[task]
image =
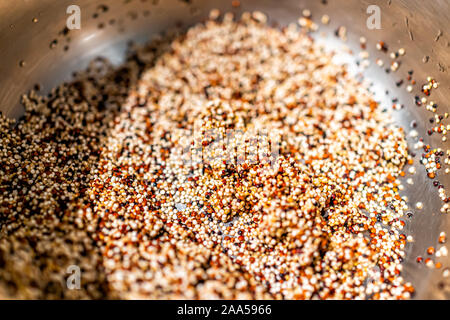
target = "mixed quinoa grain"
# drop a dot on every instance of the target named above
(235, 161)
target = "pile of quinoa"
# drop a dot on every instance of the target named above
(233, 161)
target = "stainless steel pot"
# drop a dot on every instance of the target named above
(35, 48)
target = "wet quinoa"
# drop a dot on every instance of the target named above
(233, 161)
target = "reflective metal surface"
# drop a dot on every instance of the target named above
(35, 49)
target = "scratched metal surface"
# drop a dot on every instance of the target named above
(412, 24)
